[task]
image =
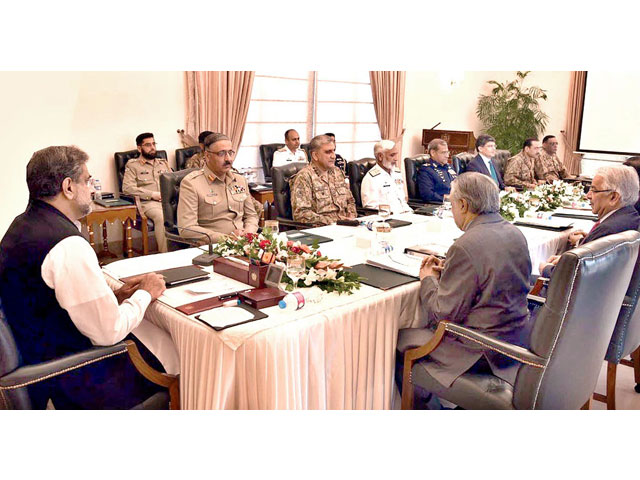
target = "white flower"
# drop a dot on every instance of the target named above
(331, 274)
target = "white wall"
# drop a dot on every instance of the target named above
(100, 112)
(429, 99)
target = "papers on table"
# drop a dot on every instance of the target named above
(224, 316)
(215, 286)
(437, 249)
(397, 262)
(575, 213)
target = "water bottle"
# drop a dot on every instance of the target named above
(98, 190)
(298, 299)
(384, 238)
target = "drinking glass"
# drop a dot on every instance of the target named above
(295, 268)
(273, 226)
(384, 211)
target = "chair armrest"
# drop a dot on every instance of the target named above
(537, 287)
(177, 238)
(535, 298)
(515, 352)
(30, 374)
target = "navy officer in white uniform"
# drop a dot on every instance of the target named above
(384, 183)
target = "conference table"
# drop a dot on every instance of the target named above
(337, 354)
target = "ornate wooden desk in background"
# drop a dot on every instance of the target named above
(101, 215)
(458, 141)
(264, 196)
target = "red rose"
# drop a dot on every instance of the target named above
(250, 236)
(289, 244)
(318, 253)
(305, 248)
(264, 244)
(295, 250)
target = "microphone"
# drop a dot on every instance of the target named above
(434, 127)
(204, 259)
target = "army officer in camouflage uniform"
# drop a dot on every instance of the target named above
(216, 200)
(319, 193)
(520, 171)
(142, 178)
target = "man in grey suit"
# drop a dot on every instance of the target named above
(482, 284)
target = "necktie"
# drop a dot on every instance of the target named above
(494, 175)
(594, 226)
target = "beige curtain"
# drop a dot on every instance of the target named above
(574, 112)
(218, 101)
(388, 102)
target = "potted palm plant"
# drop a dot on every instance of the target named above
(511, 113)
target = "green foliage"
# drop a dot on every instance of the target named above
(511, 113)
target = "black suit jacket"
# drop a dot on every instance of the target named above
(478, 165)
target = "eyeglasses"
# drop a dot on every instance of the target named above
(149, 144)
(593, 190)
(222, 153)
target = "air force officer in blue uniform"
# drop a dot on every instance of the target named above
(435, 176)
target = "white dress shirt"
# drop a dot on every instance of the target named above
(378, 187)
(71, 269)
(487, 163)
(283, 155)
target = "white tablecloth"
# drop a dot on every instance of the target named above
(338, 355)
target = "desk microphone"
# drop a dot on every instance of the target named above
(434, 127)
(205, 259)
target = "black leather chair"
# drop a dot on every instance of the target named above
(411, 166)
(282, 194)
(184, 154)
(357, 170)
(306, 147)
(143, 224)
(461, 160)
(266, 156)
(567, 343)
(15, 377)
(170, 191)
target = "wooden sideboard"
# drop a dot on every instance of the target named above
(458, 141)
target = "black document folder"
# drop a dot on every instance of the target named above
(181, 275)
(306, 238)
(381, 278)
(395, 223)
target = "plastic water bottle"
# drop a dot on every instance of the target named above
(298, 299)
(98, 190)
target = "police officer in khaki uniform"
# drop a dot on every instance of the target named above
(142, 178)
(216, 200)
(319, 193)
(520, 170)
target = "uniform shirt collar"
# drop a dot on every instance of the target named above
(211, 177)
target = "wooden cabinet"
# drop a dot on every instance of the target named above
(458, 141)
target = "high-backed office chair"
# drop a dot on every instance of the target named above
(567, 343)
(411, 166)
(170, 192)
(184, 154)
(266, 156)
(357, 170)
(306, 147)
(282, 194)
(461, 160)
(625, 341)
(500, 160)
(143, 224)
(15, 377)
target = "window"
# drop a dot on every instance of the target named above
(312, 103)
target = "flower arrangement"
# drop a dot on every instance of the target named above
(328, 274)
(544, 198)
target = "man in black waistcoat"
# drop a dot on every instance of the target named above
(55, 298)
